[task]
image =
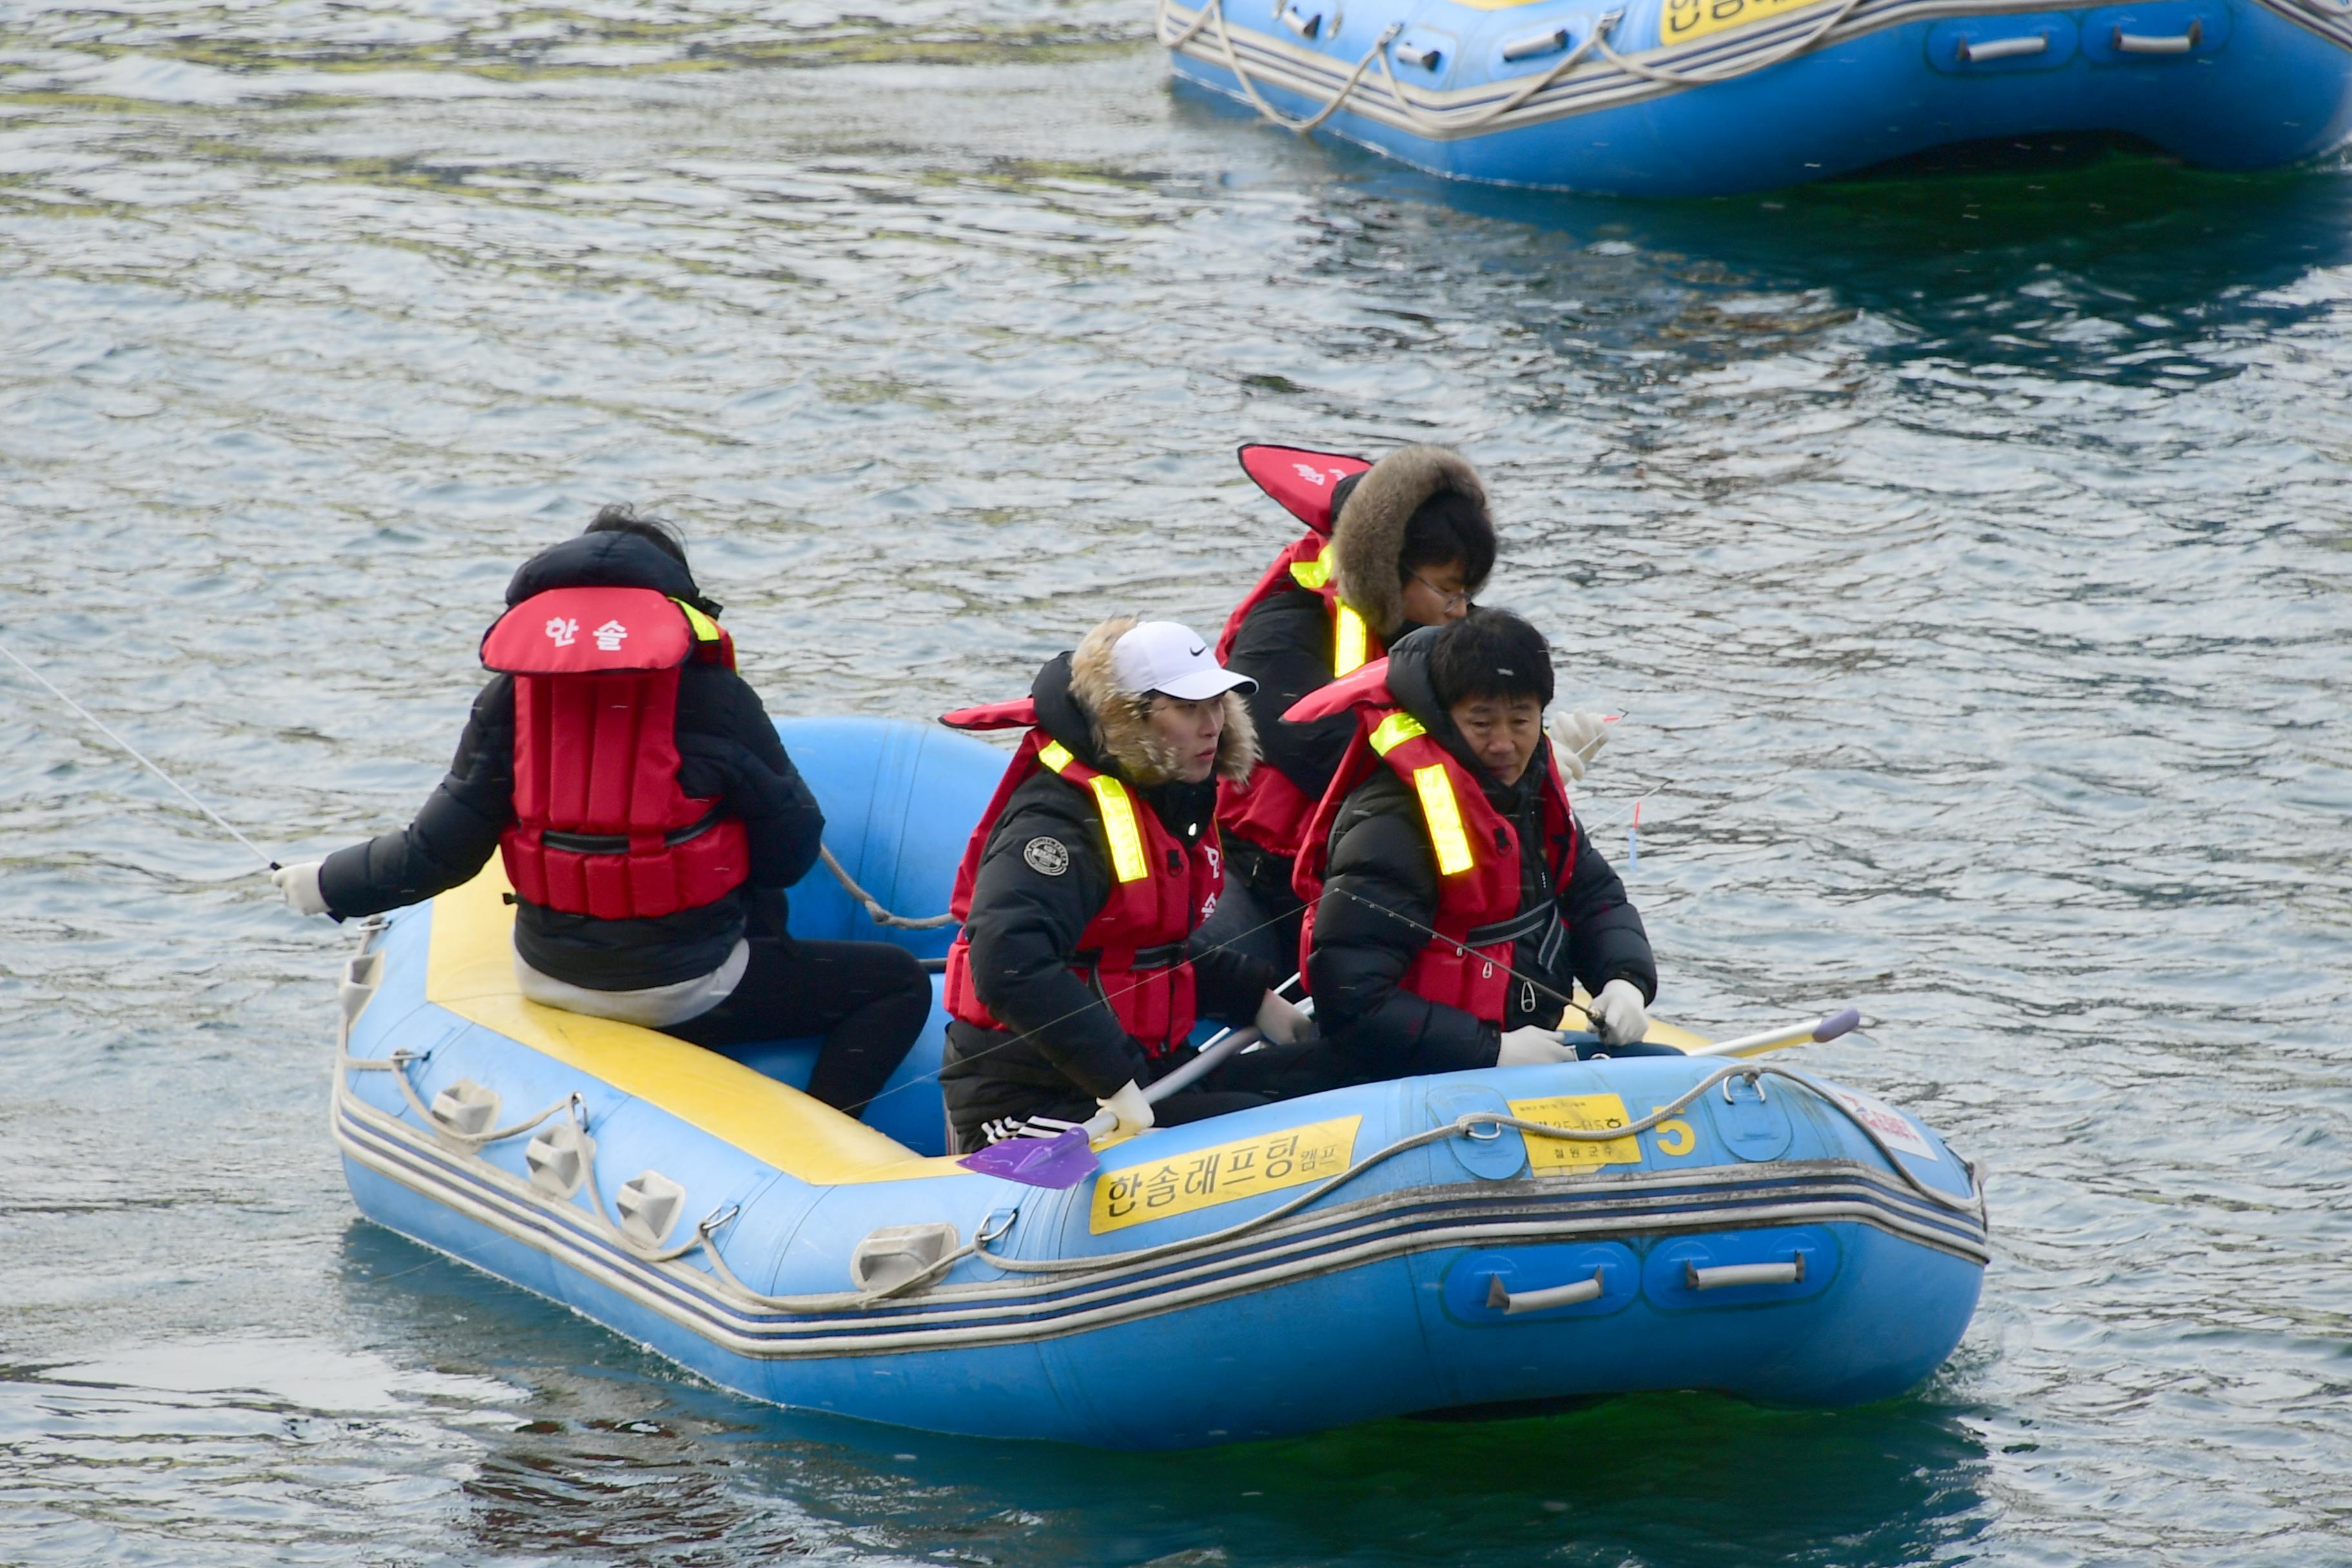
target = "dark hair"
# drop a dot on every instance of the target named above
(622, 517)
(1489, 652)
(1449, 527)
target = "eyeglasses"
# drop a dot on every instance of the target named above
(1454, 599)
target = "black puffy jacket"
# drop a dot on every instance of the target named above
(1025, 926)
(1381, 862)
(728, 750)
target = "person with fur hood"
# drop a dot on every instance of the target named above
(1075, 979)
(1404, 543)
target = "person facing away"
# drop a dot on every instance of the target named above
(1454, 897)
(1076, 980)
(650, 821)
(1400, 544)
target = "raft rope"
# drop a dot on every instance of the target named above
(1232, 63)
(1424, 120)
(1469, 1124)
(882, 916)
(1482, 1125)
(1794, 47)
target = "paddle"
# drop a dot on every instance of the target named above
(1787, 1035)
(1068, 1157)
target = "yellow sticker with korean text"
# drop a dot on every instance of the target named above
(1204, 1177)
(1572, 1113)
(1683, 20)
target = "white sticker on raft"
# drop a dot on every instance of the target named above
(1895, 1129)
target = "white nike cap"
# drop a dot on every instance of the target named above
(1162, 656)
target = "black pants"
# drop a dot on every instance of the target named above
(868, 999)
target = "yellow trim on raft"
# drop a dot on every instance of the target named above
(470, 971)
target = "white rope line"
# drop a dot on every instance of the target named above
(882, 916)
(137, 756)
(1773, 56)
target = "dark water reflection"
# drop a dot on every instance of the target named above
(600, 1458)
(1970, 553)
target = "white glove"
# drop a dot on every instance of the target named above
(1278, 1021)
(299, 885)
(1528, 1047)
(1617, 1014)
(1133, 1111)
(1576, 739)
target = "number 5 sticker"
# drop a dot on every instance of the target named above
(1675, 1135)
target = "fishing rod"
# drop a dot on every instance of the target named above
(140, 757)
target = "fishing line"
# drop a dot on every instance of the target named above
(1460, 947)
(140, 757)
(1101, 998)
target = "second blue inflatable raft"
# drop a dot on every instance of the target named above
(1685, 97)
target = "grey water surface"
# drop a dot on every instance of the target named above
(1970, 553)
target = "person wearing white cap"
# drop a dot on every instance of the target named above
(1075, 982)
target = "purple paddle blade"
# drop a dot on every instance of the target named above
(1836, 1023)
(1062, 1161)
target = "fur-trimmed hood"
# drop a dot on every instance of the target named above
(1368, 535)
(1120, 734)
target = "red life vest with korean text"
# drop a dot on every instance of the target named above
(1132, 952)
(601, 826)
(1268, 809)
(1467, 964)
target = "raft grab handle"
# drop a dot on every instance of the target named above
(1532, 46)
(2003, 48)
(1307, 24)
(1509, 1302)
(2144, 44)
(1789, 1273)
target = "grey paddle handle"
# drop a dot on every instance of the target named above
(1828, 1028)
(1213, 1055)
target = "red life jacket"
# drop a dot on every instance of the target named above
(1268, 809)
(1479, 920)
(602, 827)
(1133, 952)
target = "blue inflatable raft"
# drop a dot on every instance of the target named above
(1480, 1240)
(1686, 97)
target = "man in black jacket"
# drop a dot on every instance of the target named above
(1058, 1041)
(1381, 890)
(720, 974)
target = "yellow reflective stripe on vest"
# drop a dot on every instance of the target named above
(704, 628)
(1313, 574)
(1439, 808)
(1127, 861)
(1394, 730)
(1350, 643)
